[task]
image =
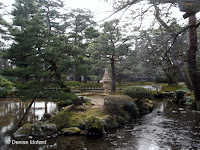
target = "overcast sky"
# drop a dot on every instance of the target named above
(98, 7)
(102, 10)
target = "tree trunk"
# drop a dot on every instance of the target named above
(26, 112)
(182, 67)
(119, 78)
(85, 79)
(171, 73)
(112, 62)
(183, 71)
(191, 56)
(77, 77)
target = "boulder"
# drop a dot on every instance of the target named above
(43, 129)
(109, 122)
(39, 129)
(94, 125)
(23, 131)
(159, 112)
(198, 105)
(71, 131)
(147, 108)
(183, 112)
(181, 109)
(159, 95)
(174, 112)
(120, 120)
(164, 94)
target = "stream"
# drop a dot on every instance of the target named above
(167, 131)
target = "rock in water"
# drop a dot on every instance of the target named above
(159, 112)
(23, 131)
(174, 112)
(183, 112)
(43, 129)
(71, 131)
(109, 122)
(39, 129)
(181, 109)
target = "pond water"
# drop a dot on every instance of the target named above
(167, 131)
(12, 109)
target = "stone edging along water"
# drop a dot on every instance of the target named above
(85, 119)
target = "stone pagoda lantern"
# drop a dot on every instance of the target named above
(190, 7)
(106, 81)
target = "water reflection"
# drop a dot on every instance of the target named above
(152, 132)
(11, 111)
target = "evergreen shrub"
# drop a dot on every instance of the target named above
(6, 87)
(72, 83)
(116, 104)
(138, 93)
(180, 94)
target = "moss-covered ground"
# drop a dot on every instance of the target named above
(73, 116)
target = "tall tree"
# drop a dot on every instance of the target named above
(191, 55)
(4, 36)
(37, 52)
(178, 51)
(154, 50)
(80, 35)
(28, 33)
(110, 46)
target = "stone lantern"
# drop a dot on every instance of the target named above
(189, 5)
(106, 81)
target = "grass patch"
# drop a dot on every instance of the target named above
(170, 88)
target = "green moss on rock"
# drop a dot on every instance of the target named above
(71, 131)
(73, 117)
(26, 128)
(109, 122)
(23, 131)
(94, 125)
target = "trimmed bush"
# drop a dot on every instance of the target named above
(138, 92)
(130, 107)
(72, 83)
(6, 87)
(115, 104)
(161, 79)
(180, 94)
(68, 99)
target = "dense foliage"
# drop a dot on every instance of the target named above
(5, 87)
(138, 93)
(116, 104)
(51, 45)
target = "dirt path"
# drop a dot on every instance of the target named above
(96, 98)
(98, 101)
